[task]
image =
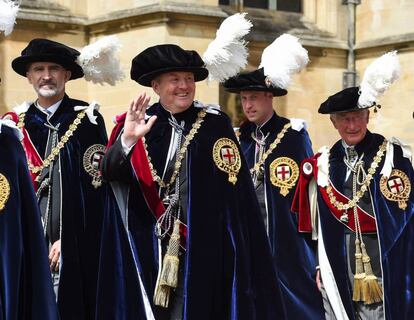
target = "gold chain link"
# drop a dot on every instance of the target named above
(55, 151)
(273, 145)
(180, 156)
(364, 187)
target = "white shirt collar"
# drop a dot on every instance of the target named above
(51, 110)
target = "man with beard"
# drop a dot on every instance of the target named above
(64, 139)
(201, 252)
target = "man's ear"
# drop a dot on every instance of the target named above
(68, 75)
(333, 120)
(368, 116)
(155, 86)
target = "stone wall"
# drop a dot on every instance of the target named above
(192, 25)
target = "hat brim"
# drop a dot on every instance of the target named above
(20, 64)
(322, 111)
(277, 92)
(200, 73)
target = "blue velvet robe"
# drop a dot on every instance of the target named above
(82, 206)
(25, 284)
(395, 228)
(293, 252)
(228, 271)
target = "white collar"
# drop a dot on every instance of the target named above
(51, 110)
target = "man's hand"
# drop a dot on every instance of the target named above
(318, 280)
(135, 127)
(54, 256)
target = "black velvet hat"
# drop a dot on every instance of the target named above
(156, 60)
(252, 81)
(44, 50)
(343, 101)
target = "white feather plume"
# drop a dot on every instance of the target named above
(100, 61)
(8, 13)
(378, 76)
(282, 58)
(227, 54)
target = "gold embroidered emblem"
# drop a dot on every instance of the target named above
(226, 156)
(396, 187)
(4, 191)
(284, 172)
(91, 162)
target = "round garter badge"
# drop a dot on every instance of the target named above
(396, 187)
(284, 172)
(4, 191)
(226, 156)
(91, 162)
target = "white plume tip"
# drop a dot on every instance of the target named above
(100, 61)
(8, 14)
(283, 58)
(227, 54)
(378, 76)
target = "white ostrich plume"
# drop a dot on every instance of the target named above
(282, 58)
(227, 54)
(8, 13)
(100, 61)
(378, 76)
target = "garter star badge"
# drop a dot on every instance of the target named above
(91, 161)
(284, 172)
(226, 156)
(396, 187)
(4, 191)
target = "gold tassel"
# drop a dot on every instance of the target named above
(169, 272)
(371, 287)
(162, 296)
(358, 294)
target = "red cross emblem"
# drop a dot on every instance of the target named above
(96, 159)
(283, 172)
(395, 185)
(228, 155)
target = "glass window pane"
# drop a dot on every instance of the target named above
(264, 4)
(289, 5)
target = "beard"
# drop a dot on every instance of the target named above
(54, 90)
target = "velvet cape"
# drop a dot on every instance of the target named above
(395, 228)
(25, 284)
(228, 272)
(293, 253)
(82, 206)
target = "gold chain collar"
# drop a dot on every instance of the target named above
(196, 125)
(273, 145)
(55, 151)
(365, 185)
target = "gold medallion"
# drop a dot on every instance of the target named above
(284, 172)
(91, 162)
(396, 187)
(4, 191)
(226, 156)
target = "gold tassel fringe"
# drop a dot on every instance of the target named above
(162, 296)
(169, 272)
(371, 288)
(358, 294)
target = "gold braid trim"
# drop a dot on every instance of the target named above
(273, 145)
(55, 151)
(360, 193)
(194, 129)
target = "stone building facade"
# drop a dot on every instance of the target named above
(322, 26)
